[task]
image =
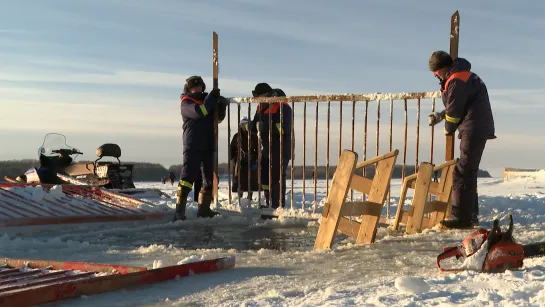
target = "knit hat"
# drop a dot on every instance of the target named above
(192, 82)
(261, 88)
(244, 123)
(439, 59)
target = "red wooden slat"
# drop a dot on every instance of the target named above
(34, 275)
(71, 219)
(8, 271)
(16, 209)
(29, 202)
(54, 280)
(95, 197)
(102, 209)
(73, 209)
(94, 285)
(96, 206)
(69, 265)
(3, 212)
(18, 274)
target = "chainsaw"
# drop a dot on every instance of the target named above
(500, 253)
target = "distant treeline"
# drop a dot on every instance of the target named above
(144, 171)
(321, 171)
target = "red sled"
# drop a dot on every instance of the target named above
(25, 282)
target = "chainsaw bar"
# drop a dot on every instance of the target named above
(534, 250)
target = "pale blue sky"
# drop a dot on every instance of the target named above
(111, 71)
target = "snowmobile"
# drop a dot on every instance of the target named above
(491, 251)
(57, 167)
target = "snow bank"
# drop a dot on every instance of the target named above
(191, 259)
(38, 193)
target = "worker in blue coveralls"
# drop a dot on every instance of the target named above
(279, 130)
(197, 108)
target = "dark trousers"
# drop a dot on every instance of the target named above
(197, 185)
(198, 166)
(464, 183)
(278, 173)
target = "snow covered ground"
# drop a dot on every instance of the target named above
(275, 264)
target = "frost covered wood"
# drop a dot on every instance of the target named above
(343, 97)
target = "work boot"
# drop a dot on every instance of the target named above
(181, 201)
(205, 199)
(456, 223)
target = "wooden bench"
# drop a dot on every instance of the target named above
(337, 209)
(437, 208)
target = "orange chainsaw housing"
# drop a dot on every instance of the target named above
(503, 254)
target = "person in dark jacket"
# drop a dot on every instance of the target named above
(279, 130)
(171, 177)
(247, 156)
(197, 108)
(468, 110)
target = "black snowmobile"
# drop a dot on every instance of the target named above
(57, 167)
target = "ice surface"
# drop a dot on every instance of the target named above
(275, 264)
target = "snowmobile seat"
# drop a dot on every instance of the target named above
(109, 150)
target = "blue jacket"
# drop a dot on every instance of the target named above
(467, 106)
(278, 131)
(198, 117)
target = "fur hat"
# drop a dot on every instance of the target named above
(192, 82)
(439, 59)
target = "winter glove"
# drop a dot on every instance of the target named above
(215, 93)
(435, 118)
(224, 101)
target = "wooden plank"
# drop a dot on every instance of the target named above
(360, 208)
(77, 288)
(57, 220)
(437, 210)
(418, 205)
(377, 159)
(215, 74)
(454, 43)
(361, 184)
(348, 227)
(335, 198)
(400, 211)
(445, 194)
(378, 194)
(433, 186)
(67, 265)
(11, 180)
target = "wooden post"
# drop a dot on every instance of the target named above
(454, 40)
(215, 72)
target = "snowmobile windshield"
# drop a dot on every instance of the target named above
(53, 144)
